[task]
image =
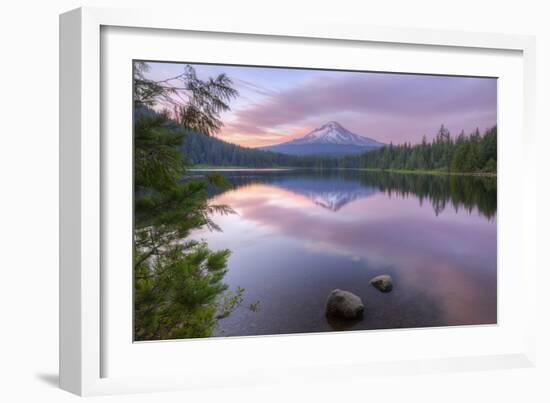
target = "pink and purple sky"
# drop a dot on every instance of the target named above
(279, 104)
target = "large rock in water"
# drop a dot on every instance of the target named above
(383, 282)
(344, 304)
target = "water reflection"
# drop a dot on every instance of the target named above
(329, 193)
(300, 234)
(334, 189)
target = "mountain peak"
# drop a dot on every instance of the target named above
(329, 139)
(333, 124)
(333, 132)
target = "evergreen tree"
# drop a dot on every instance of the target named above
(178, 285)
(467, 154)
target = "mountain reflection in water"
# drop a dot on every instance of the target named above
(299, 234)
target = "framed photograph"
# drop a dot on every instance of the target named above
(244, 203)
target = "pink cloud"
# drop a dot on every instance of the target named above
(388, 107)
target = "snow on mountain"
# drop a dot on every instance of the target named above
(330, 139)
(335, 133)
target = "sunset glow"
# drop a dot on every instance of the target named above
(278, 104)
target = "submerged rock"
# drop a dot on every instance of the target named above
(344, 304)
(383, 282)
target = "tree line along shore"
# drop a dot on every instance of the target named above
(473, 154)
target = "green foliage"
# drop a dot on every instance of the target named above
(178, 285)
(490, 166)
(465, 154)
(157, 162)
(177, 294)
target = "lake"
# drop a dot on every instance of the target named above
(296, 235)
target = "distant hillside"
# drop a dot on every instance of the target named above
(200, 149)
(323, 150)
(208, 150)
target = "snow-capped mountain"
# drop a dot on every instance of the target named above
(330, 139)
(334, 133)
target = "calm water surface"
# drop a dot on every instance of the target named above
(297, 235)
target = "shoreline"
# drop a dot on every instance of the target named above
(397, 171)
(429, 172)
(203, 169)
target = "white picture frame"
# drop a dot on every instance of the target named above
(85, 345)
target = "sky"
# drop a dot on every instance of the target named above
(279, 104)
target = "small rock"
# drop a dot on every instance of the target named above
(383, 282)
(344, 304)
